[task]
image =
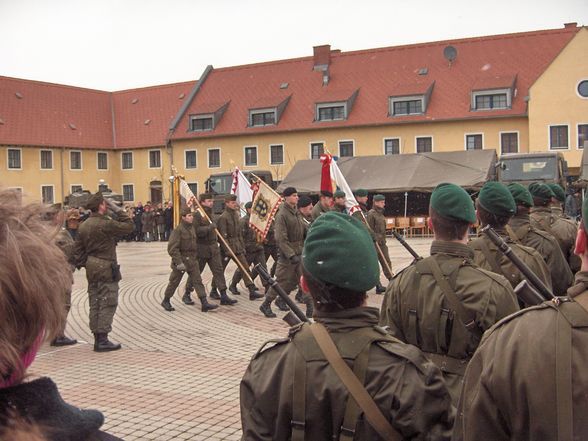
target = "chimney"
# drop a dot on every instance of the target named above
(321, 57)
(570, 25)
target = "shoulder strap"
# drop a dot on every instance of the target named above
(372, 413)
(352, 410)
(467, 318)
(563, 382)
(491, 258)
(298, 422)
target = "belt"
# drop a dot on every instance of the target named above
(448, 364)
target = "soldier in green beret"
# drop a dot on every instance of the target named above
(445, 302)
(377, 225)
(324, 204)
(290, 392)
(339, 199)
(361, 196)
(95, 248)
(521, 231)
(495, 206)
(528, 378)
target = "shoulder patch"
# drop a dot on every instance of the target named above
(270, 344)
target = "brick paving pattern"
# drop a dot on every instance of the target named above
(177, 376)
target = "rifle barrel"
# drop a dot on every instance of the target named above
(405, 244)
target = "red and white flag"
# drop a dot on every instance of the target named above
(332, 180)
(242, 188)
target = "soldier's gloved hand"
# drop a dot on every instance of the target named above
(181, 267)
(113, 206)
(294, 259)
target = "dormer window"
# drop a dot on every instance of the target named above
(262, 117)
(207, 116)
(335, 105)
(412, 105)
(491, 99)
(331, 111)
(201, 123)
(410, 99)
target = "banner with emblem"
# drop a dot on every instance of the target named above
(332, 179)
(264, 206)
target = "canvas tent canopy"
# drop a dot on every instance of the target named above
(420, 172)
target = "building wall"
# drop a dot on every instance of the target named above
(555, 101)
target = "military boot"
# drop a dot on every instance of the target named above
(309, 308)
(214, 294)
(254, 294)
(299, 296)
(225, 299)
(167, 305)
(380, 289)
(63, 341)
(207, 306)
(234, 290)
(281, 304)
(266, 309)
(187, 299)
(102, 344)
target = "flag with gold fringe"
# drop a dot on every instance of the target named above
(264, 206)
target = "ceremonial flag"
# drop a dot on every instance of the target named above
(332, 179)
(263, 209)
(242, 188)
(187, 194)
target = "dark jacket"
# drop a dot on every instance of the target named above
(182, 244)
(228, 226)
(252, 246)
(290, 230)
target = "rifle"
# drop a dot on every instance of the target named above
(295, 315)
(531, 291)
(408, 248)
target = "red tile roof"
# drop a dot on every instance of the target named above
(378, 74)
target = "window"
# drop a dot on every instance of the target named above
(127, 160)
(14, 159)
(250, 156)
(262, 118)
(474, 142)
(392, 146)
(75, 160)
(102, 161)
(46, 159)
(128, 192)
(424, 144)
(191, 159)
(509, 142)
(409, 107)
(330, 112)
(76, 188)
(583, 88)
(201, 123)
(345, 148)
(47, 194)
(582, 135)
(316, 150)
(193, 187)
(214, 158)
(558, 137)
(276, 154)
(491, 99)
(154, 158)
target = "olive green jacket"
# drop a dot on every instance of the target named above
(204, 231)
(408, 389)
(290, 231)
(252, 246)
(510, 387)
(228, 226)
(97, 235)
(564, 230)
(318, 210)
(377, 223)
(182, 244)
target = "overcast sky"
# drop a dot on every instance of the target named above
(122, 44)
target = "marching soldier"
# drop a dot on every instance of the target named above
(304, 205)
(445, 302)
(495, 206)
(527, 380)
(324, 204)
(377, 224)
(182, 247)
(522, 232)
(270, 248)
(361, 196)
(339, 199)
(95, 248)
(290, 392)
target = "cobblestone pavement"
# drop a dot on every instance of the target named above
(177, 376)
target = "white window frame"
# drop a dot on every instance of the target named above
(149, 159)
(424, 136)
(8, 159)
(578, 147)
(352, 141)
(465, 139)
(186, 159)
(333, 104)
(392, 137)
(203, 116)
(477, 93)
(122, 160)
(269, 152)
(266, 110)
(41, 160)
(81, 160)
(397, 99)
(245, 147)
(52, 189)
(576, 89)
(122, 188)
(499, 151)
(310, 147)
(220, 157)
(558, 149)
(98, 162)
(74, 185)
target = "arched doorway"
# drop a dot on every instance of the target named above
(156, 192)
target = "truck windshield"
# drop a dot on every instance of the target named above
(221, 184)
(529, 169)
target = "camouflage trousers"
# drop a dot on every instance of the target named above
(102, 293)
(287, 275)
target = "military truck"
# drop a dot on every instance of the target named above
(219, 184)
(78, 199)
(526, 168)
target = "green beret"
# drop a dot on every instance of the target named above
(452, 201)
(94, 201)
(327, 258)
(540, 191)
(339, 194)
(584, 213)
(230, 197)
(204, 196)
(496, 199)
(520, 194)
(557, 191)
(185, 211)
(249, 204)
(361, 193)
(379, 197)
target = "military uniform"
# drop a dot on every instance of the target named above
(270, 248)
(318, 210)
(377, 224)
(527, 380)
(253, 249)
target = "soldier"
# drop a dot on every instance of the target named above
(304, 205)
(270, 248)
(290, 392)
(495, 206)
(445, 302)
(324, 205)
(95, 248)
(208, 252)
(377, 224)
(228, 226)
(290, 233)
(562, 228)
(339, 202)
(527, 380)
(182, 247)
(521, 231)
(361, 196)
